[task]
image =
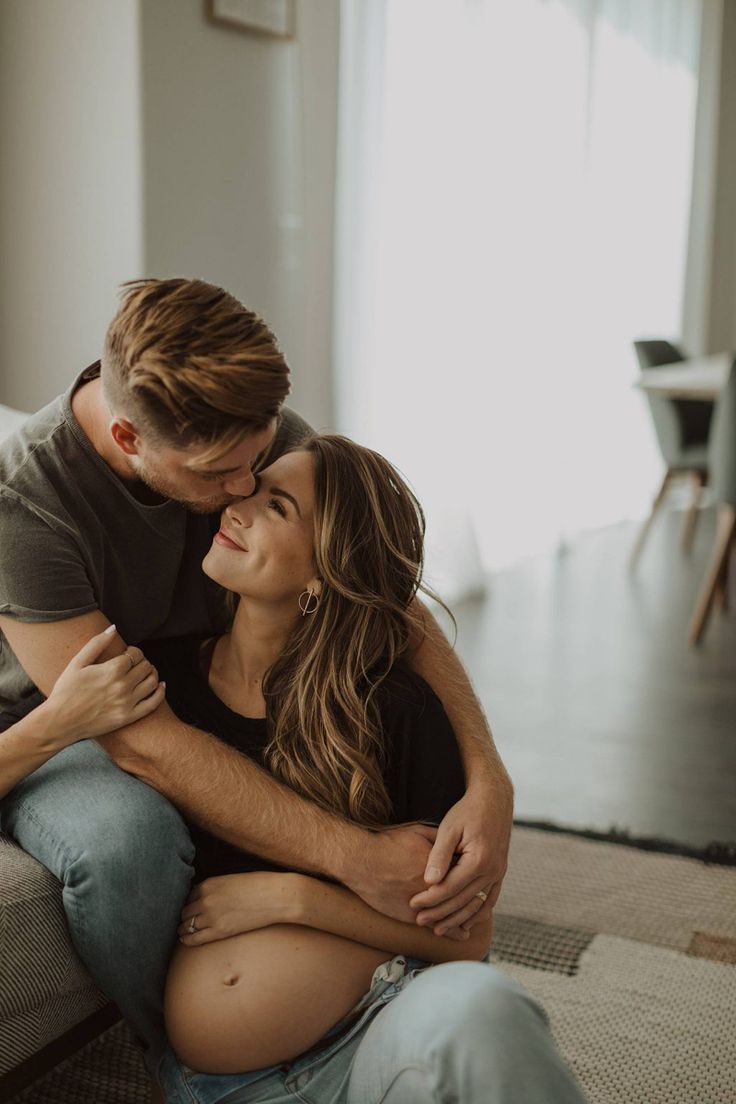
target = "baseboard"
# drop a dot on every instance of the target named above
(716, 853)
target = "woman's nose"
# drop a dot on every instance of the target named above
(242, 486)
(238, 512)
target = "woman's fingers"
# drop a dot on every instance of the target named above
(136, 659)
(191, 908)
(94, 648)
(149, 704)
(195, 935)
(195, 893)
(146, 686)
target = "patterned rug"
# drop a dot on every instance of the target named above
(632, 953)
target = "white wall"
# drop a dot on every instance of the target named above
(70, 185)
(239, 154)
(139, 139)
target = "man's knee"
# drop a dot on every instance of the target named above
(80, 813)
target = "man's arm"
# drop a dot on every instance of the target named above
(226, 792)
(478, 828)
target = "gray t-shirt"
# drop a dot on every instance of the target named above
(74, 539)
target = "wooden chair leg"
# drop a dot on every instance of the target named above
(643, 532)
(696, 480)
(725, 530)
(721, 595)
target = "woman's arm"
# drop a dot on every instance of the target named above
(88, 699)
(334, 909)
(235, 903)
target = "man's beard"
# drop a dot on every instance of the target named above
(161, 486)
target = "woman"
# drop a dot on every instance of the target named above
(324, 559)
(279, 977)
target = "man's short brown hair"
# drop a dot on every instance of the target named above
(187, 363)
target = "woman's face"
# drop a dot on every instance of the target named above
(265, 547)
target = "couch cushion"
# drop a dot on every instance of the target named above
(45, 989)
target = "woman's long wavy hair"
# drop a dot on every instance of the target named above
(325, 737)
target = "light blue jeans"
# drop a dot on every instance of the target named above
(459, 1032)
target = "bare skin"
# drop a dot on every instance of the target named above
(266, 942)
(225, 1001)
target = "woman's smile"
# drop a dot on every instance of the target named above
(223, 538)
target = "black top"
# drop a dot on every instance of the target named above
(424, 775)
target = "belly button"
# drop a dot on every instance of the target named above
(231, 979)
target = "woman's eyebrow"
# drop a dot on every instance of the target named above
(285, 494)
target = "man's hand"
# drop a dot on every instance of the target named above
(390, 869)
(476, 831)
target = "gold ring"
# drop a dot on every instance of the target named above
(483, 896)
(132, 661)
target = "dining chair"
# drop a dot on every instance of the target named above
(722, 468)
(682, 427)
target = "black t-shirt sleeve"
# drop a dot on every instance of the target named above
(425, 775)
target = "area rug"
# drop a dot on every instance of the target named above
(632, 953)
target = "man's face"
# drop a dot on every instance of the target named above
(205, 487)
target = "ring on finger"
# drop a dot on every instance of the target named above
(483, 896)
(192, 926)
(132, 661)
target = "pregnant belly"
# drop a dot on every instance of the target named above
(263, 997)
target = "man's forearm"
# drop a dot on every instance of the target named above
(229, 795)
(438, 664)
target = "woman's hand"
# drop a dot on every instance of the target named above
(234, 903)
(91, 698)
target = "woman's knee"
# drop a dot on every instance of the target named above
(473, 1000)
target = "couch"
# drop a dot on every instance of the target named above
(48, 1003)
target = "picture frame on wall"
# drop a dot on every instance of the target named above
(269, 18)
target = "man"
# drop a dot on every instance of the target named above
(109, 498)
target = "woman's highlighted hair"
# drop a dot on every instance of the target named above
(325, 738)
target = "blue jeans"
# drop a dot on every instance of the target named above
(124, 857)
(461, 1031)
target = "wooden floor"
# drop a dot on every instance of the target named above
(603, 714)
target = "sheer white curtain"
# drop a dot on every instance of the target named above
(513, 199)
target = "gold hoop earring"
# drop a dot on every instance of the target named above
(306, 598)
